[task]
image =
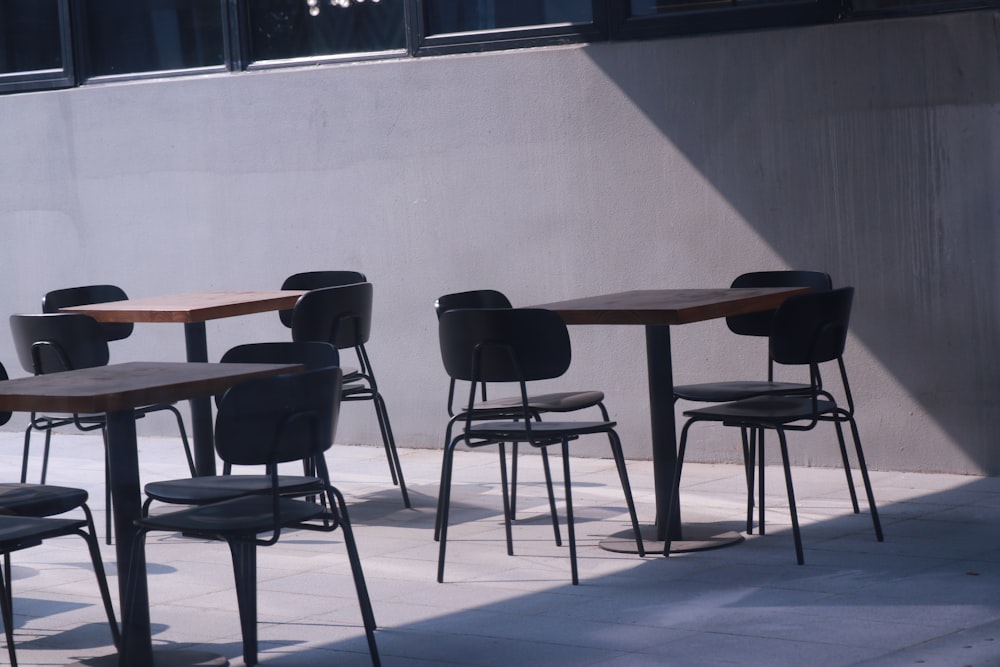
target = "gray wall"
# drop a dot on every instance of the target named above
(867, 150)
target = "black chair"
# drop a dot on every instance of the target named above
(24, 522)
(807, 330)
(56, 300)
(266, 422)
(514, 345)
(309, 280)
(343, 316)
(560, 402)
(755, 325)
(50, 343)
(216, 488)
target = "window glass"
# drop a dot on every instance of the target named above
(29, 36)
(283, 29)
(130, 36)
(450, 16)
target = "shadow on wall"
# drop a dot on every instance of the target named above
(864, 150)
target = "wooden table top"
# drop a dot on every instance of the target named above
(669, 306)
(193, 307)
(126, 386)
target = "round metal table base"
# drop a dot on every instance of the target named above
(697, 537)
(166, 658)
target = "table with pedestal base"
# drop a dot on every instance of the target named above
(116, 391)
(657, 310)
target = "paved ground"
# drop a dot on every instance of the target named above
(929, 595)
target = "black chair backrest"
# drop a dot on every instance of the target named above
(481, 298)
(308, 280)
(503, 344)
(85, 295)
(338, 315)
(4, 416)
(812, 328)
(311, 354)
(53, 342)
(759, 324)
(279, 418)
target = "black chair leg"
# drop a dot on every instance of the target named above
(867, 480)
(551, 494)
(24, 455)
(506, 499)
(444, 499)
(367, 614)
(847, 467)
(395, 468)
(749, 454)
(791, 497)
(761, 525)
(90, 537)
(184, 439)
(513, 481)
(245, 572)
(570, 530)
(619, 457)
(7, 610)
(675, 487)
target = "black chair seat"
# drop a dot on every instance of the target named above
(540, 433)
(244, 516)
(39, 499)
(25, 531)
(766, 410)
(566, 401)
(736, 390)
(203, 490)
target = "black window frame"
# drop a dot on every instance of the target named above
(506, 38)
(242, 58)
(717, 19)
(48, 79)
(85, 67)
(611, 21)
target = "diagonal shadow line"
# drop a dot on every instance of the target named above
(850, 149)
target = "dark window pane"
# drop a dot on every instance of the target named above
(448, 16)
(129, 36)
(29, 36)
(282, 29)
(656, 7)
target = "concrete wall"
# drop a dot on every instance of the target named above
(868, 150)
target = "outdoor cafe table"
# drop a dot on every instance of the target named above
(658, 310)
(117, 390)
(193, 310)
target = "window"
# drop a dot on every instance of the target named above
(656, 18)
(56, 43)
(464, 25)
(286, 29)
(34, 45)
(122, 37)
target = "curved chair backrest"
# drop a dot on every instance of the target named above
(4, 416)
(85, 295)
(759, 324)
(308, 280)
(480, 298)
(279, 418)
(503, 344)
(338, 315)
(311, 354)
(812, 328)
(53, 342)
